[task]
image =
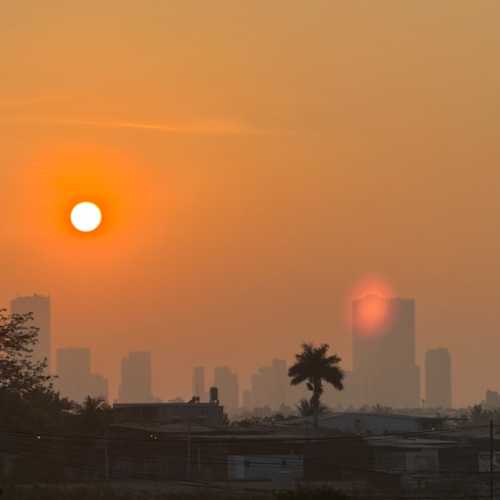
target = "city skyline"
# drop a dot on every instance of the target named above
(253, 165)
(383, 331)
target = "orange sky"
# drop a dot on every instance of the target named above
(254, 161)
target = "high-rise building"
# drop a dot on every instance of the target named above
(279, 383)
(270, 385)
(247, 402)
(75, 379)
(438, 378)
(135, 386)
(98, 386)
(199, 383)
(346, 398)
(227, 383)
(384, 352)
(39, 306)
(260, 387)
(73, 372)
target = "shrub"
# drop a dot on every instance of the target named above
(310, 494)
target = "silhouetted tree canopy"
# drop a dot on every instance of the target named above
(27, 398)
(19, 372)
(314, 367)
(94, 414)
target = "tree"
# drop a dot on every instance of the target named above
(19, 372)
(95, 414)
(306, 410)
(27, 398)
(315, 367)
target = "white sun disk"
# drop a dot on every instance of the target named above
(86, 216)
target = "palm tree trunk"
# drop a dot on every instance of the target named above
(315, 406)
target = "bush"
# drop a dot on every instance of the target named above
(310, 494)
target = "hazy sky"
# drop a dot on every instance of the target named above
(254, 161)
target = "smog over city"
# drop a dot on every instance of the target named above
(249, 249)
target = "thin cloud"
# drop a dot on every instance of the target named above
(202, 127)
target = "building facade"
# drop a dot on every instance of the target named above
(438, 385)
(384, 365)
(39, 307)
(75, 379)
(211, 414)
(199, 390)
(269, 386)
(135, 385)
(227, 383)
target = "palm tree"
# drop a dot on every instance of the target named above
(315, 367)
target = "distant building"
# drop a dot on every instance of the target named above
(247, 402)
(227, 383)
(279, 383)
(211, 414)
(73, 371)
(98, 386)
(345, 398)
(378, 423)
(259, 389)
(75, 379)
(438, 390)
(269, 386)
(298, 392)
(135, 386)
(384, 352)
(39, 306)
(199, 383)
(492, 400)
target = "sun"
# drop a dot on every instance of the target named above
(86, 216)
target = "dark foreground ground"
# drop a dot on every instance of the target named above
(175, 492)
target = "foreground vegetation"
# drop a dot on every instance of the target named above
(72, 493)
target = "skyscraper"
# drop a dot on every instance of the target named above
(73, 371)
(384, 352)
(345, 398)
(438, 378)
(260, 389)
(135, 386)
(279, 383)
(199, 383)
(39, 306)
(247, 402)
(270, 385)
(75, 380)
(227, 383)
(98, 387)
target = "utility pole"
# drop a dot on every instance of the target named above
(106, 457)
(492, 461)
(188, 463)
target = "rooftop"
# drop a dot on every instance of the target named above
(173, 404)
